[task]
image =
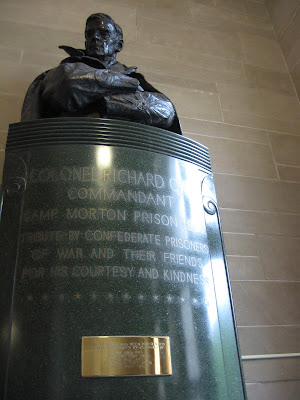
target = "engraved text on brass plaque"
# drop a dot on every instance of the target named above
(125, 356)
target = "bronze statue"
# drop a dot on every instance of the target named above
(91, 83)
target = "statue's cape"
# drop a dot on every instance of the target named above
(78, 55)
(32, 106)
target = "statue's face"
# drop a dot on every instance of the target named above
(101, 39)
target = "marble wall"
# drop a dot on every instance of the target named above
(221, 63)
(285, 15)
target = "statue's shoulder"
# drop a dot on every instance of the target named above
(31, 106)
(38, 79)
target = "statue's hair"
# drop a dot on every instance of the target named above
(101, 16)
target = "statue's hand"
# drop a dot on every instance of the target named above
(131, 70)
(116, 81)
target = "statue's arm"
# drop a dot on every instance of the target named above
(148, 107)
(151, 108)
(75, 86)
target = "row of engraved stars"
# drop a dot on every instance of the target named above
(125, 297)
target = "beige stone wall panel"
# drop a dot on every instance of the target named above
(259, 102)
(26, 36)
(288, 390)
(265, 223)
(15, 78)
(193, 127)
(277, 124)
(244, 268)
(269, 339)
(3, 136)
(272, 370)
(265, 53)
(281, 12)
(239, 158)
(10, 109)
(237, 192)
(280, 257)
(207, 42)
(43, 60)
(266, 302)
(11, 54)
(295, 74)
(207, 17)
(290, 41)
(193, 103)
(289, 174)
(241, 244)
(268, 79)
(286, 149)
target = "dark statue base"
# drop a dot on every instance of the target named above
(111, 228)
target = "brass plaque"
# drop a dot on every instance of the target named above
(125, 356)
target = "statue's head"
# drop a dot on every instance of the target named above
(103, 37)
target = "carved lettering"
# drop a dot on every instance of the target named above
(139, 255)
(102, 253)
(123, 237)
(172, 243)
(186, 244)
(43, 236)
(157, 219)
(96, 214)
(127, 196)
(59, 271)
(34, 216)
(97, 271)
(180, 276)
(93, 174)
(182, 259)
(69, 253)
(148, 273)
(33, 273)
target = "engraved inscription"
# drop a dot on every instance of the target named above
(116, 225)
(125, 356)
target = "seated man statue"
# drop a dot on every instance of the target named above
(91, 83)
